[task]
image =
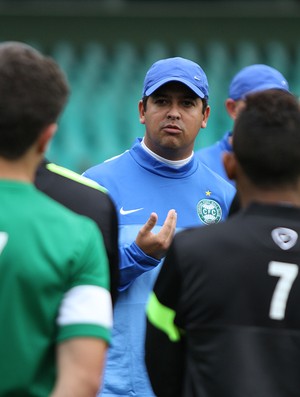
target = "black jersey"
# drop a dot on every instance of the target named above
(235, 205)
(76, 193)
(224, 318)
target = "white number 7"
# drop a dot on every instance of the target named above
(287, 273)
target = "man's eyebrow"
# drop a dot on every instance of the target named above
(190, 96)
(187, 95)
(159, 93)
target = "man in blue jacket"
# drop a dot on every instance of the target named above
(158, 188)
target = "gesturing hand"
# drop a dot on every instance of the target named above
(156, 245)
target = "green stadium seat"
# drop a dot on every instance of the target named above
(246, 53)
(189, 50)
(294, 79)
(277, 55)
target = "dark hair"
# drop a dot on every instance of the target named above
(33, 93)
(266, 138)
(204, 102)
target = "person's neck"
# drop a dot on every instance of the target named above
(290, 196)
(174, 163)
(19, 170)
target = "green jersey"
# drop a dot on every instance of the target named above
(53, 286)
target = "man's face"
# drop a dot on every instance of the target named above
(173, 118)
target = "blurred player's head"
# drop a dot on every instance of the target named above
(254, 78)
(251, 79)
(266, 141)
(33, 93)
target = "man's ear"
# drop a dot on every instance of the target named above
(45, 137)
(230, 164)
(231, 107)
(142, 112)
(205, 117)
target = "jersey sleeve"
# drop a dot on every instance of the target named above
(133, 263)
(86, 308)
(164, 345)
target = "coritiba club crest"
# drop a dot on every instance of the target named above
(209, 211)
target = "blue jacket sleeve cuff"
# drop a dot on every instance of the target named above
(134, 262)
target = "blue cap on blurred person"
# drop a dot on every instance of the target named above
(256, 78)
(176, 69)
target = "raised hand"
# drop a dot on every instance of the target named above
(156, 245)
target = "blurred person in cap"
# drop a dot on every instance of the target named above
(158, 187)
(250, 79)
(223, 318)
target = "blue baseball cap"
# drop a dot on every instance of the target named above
(176, 69)
(256, 78)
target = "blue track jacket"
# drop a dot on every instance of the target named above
(139, 185)
(212, 155)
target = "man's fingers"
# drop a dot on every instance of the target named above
(149, 225)
(168, 229)
(155, 245)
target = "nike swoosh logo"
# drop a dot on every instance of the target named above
(124, 212)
